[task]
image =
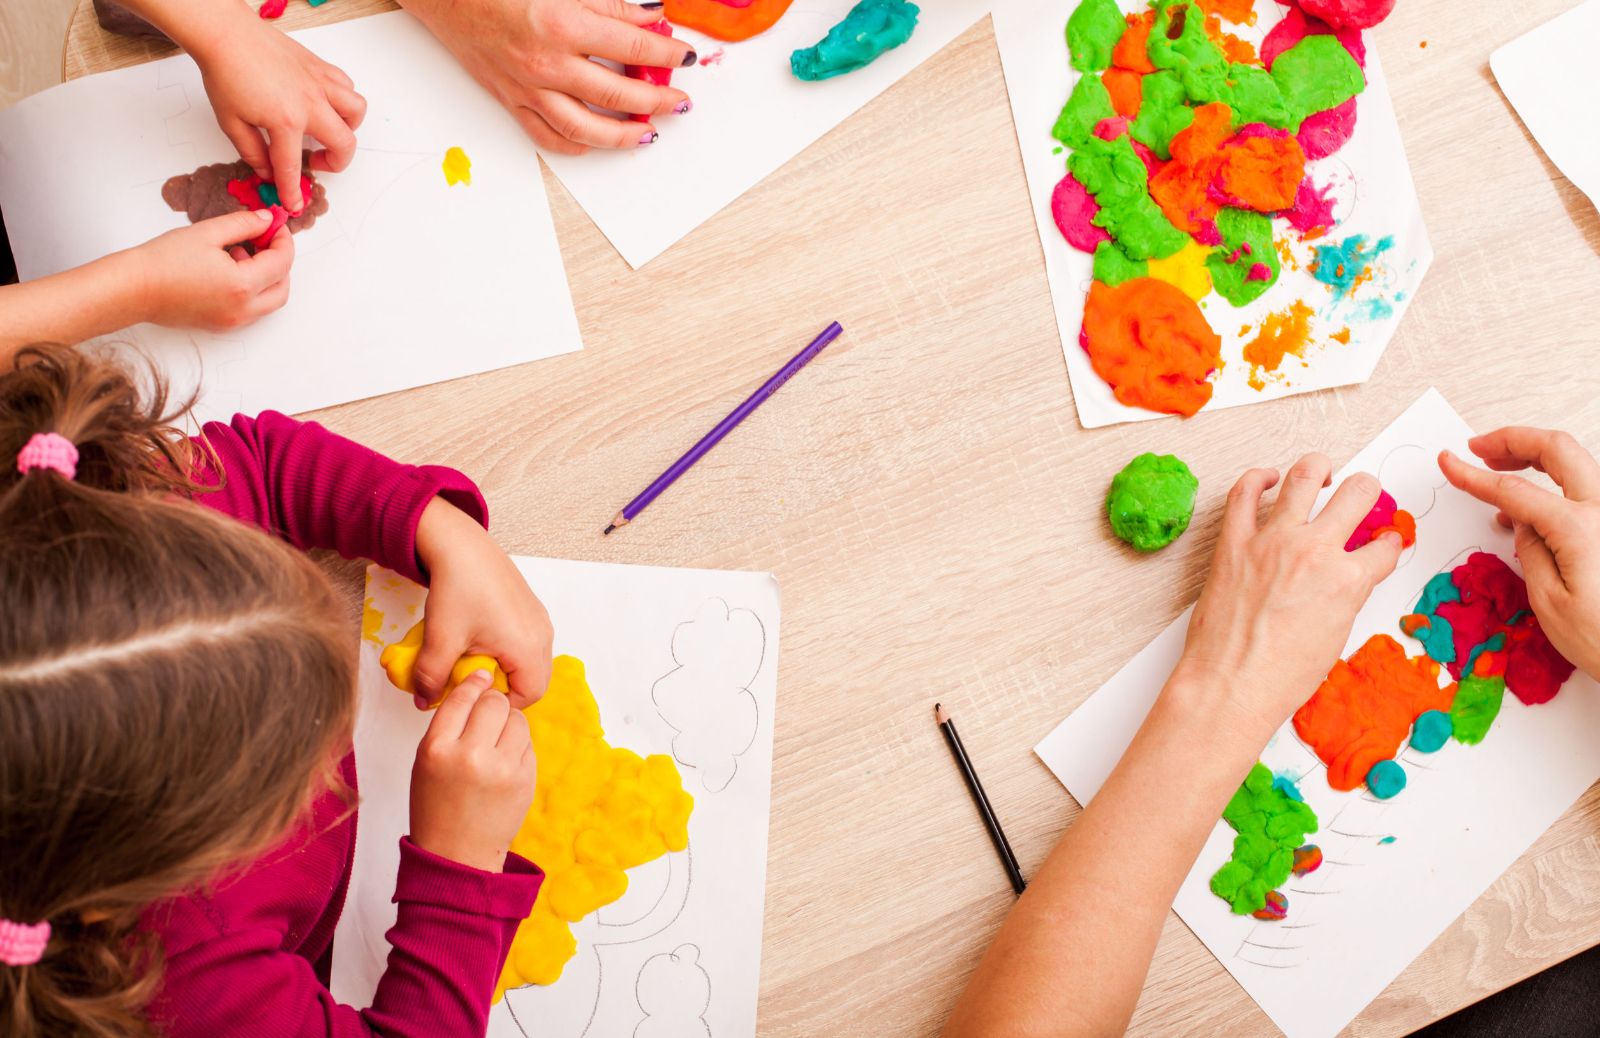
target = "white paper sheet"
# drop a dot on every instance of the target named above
(1465, 815)
(405, 281)
(1548, 75)
(750, 117)
(1376, 199)
(683, 662)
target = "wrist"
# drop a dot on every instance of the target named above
(203, 30)
(1204, 700)
(441, 526)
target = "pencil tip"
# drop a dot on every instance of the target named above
(940, 714)
(609, 528)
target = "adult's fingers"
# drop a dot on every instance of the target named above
(487, 720)
(338, 141)
(1549, 450)
(598, 85)
(1301, 485)
(1379, 556)
(252, 148)
(1519, 499)
(575, 122)
(1244, 504)
(635, 14)
(1349, 505)
(285, 148)
(442, 646)
(1538, 561)
(451, 717)
(543, 134)
(629, 44)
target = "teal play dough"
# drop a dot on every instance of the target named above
(1151, 501)
(871, 28)
(1087, 106)
(1430, 731)
(1093, 32)
(1386, 779)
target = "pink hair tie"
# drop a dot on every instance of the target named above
(49, 451)
(22, 944)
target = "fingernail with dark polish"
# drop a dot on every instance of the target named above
(684, 107)
(689, 59)
(654, 5)
(649, 138)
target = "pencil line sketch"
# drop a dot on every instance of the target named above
(674, 992)
(706, 697)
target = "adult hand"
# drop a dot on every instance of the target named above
(473, 778)
(478, 604)
(533, 56)
(1557, 535)
(199, 276)
(1282, 594)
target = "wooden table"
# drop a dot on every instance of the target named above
(933, 510)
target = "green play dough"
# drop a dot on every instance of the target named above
(1270, 825)
(1151, 501)
(1476, 705)
(1255, 98)
(1315, 75)
(1178, 38)
(1240, 228)
(1163, 113)
(871, 28)
(1093, 32)
(1086, 106)
(1115, 175)
(1113, 266)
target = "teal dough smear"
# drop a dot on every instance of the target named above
(871, 28)
(1151, 501)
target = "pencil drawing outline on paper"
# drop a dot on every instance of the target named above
(673, 994)
(711, 730)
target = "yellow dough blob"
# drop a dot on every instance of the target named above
(398, 660)
(1185, 270)
(457, 167)
(598, 810)
(371, 621)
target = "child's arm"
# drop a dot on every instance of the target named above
(261, 82)
(1274, 616)
(186, 278)
(1558, 536)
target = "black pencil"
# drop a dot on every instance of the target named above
(990, 822)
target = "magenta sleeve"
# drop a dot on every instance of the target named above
(316, 489)
(447, 946)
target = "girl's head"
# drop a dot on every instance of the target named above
(173, 687)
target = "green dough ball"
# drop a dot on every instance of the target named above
(1093, 32)
(1151, 501)
(871, 28)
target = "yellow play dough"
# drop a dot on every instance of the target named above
(398, 660)
(1185, 270)
(598, 810)
(457, 167)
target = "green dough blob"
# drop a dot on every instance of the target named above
(1315, 75)
(1246, 242)
(1114, 174)
(1085, 108)
(1255, 98)
(871, 28)
(1163, 113)
(1093, 32)
(1475, 707)
(1151, 502)
(1270, 825)
(1179, 41)
(1113, 266)
(1431, 730)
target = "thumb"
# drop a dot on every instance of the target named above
(1379, 556)
(441, 648)
(233, 228)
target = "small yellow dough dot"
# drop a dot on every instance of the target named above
(1185, 270)
(457, 168)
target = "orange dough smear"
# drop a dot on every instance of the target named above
(1183, 187)
(1235, 11)
(1237, 51)
(1151, 344)
(1282, 334)
(1364, 709)
(724, 21)
(1132, 51)
(1126, 90)
(1263, 173)
(1342, 335)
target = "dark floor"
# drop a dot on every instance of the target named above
(1561, 1002)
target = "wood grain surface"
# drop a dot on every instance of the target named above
(933, 510)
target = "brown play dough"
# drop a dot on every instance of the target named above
(204, 193)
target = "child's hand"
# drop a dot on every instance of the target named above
(199, 277)
(533, 56)
(1282, 595)
(262, 82)
(1558, 537)
(478, 603)
(473, 778)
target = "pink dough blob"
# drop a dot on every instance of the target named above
(1349, 14)
(1296, 26)
(1074, 210)
(1324, 133)
(1313, 208)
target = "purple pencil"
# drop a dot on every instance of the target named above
(712, 438)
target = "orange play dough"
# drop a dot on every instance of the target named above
(1126, 90)
(1151, 344)
(1282, 334)
(1364, 709)
(1132, 51)
(1183, 187)
(1236, 11)
(723, 21)
(1263, 173)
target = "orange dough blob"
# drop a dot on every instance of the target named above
(1263, 173)
(723, 21)
(1237, 51)
(1282, 334)
(1236, 11)
(1151, 344)
(1364, 709)
(1126, 90)
(1132, 51)
(1183, 186)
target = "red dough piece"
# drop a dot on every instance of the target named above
(1296, 26)
(651, 74)
(1324, 133)
(280, 216)
(272, 8)
(1312, 212)
(246, 193)
(1535, 670)
(1074, 209)
(1352, 14)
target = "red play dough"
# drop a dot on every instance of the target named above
(1296, 26)
(651, 74)
(1074, 209)
(1353, 14)
(280, 216)
(1326, 132)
